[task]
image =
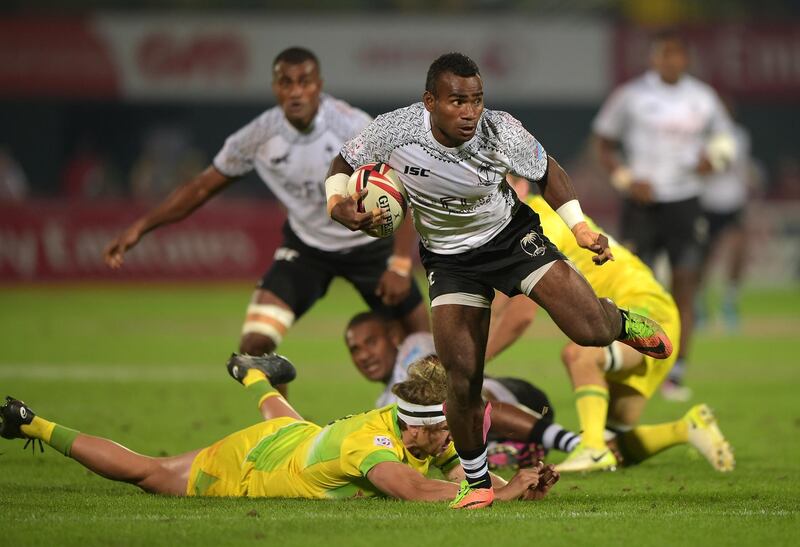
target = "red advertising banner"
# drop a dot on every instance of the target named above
(57, 240)
(62, 57)
(741, 60)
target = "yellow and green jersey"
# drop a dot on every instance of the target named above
(626, 280)
(289, 458)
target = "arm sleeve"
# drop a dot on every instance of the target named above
(611, 120)
(363, 450)
(526, 155)
(372, 144)
(237, 156)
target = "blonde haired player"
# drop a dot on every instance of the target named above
(384, 452)
(613, 384)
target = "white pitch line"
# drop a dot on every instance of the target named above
(293, 515)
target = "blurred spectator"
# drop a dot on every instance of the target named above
(88, 175)
(167, 156)
(13, 182)
(724, 200)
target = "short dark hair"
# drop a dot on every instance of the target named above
(295, 56)
(455, 63)
(668, 35)
(366, 317)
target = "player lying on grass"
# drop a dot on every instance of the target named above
(613, 384)
(522, 428)
(386, 451)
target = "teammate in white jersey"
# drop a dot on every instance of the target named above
(522, 414)
(453, 156)
(290, 146)
(674, 131)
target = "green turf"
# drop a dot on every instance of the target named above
(143, 365)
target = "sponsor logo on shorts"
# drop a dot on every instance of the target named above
(380, 440)
(285, 253)
(533, 244)
(430, 279)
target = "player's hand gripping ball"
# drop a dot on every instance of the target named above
(386, 193)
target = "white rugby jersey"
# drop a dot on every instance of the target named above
(458, 195)
(663, 129)
(726, 192)
(294, 166)
(415, 347)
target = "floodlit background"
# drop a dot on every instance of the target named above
(105, 106)
(108, 104)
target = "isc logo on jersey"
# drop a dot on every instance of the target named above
(386, 192)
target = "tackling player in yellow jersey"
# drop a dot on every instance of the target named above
(612, 384)
(384, 452)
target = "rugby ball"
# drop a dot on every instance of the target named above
(386, 192)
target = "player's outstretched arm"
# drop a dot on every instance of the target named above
(395, 283)
(341, 205)
(178, 205)
(400, 481)
(559, 194)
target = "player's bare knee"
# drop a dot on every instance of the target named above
(578, 359)
(264, 328)
(570, 355)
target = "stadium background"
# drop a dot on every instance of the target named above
(106, 106)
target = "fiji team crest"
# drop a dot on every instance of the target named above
(533, 244)
(487, 175)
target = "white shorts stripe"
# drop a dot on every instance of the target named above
(527, 284)
(462, 299)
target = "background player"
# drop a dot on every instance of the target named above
(522, 415)
(724, 200)
(476, 238)
(290, 147)
(664, 121)
(382, 452)
(612, 384)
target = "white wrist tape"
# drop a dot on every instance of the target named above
(571, 213)
(336, 185)
(622, 178)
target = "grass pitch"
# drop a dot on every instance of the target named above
(143, 365)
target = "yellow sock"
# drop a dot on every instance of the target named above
(591, 400)
(253, 375)
(39, 428)
(59, 437)
(647, 440)
(257, 384)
